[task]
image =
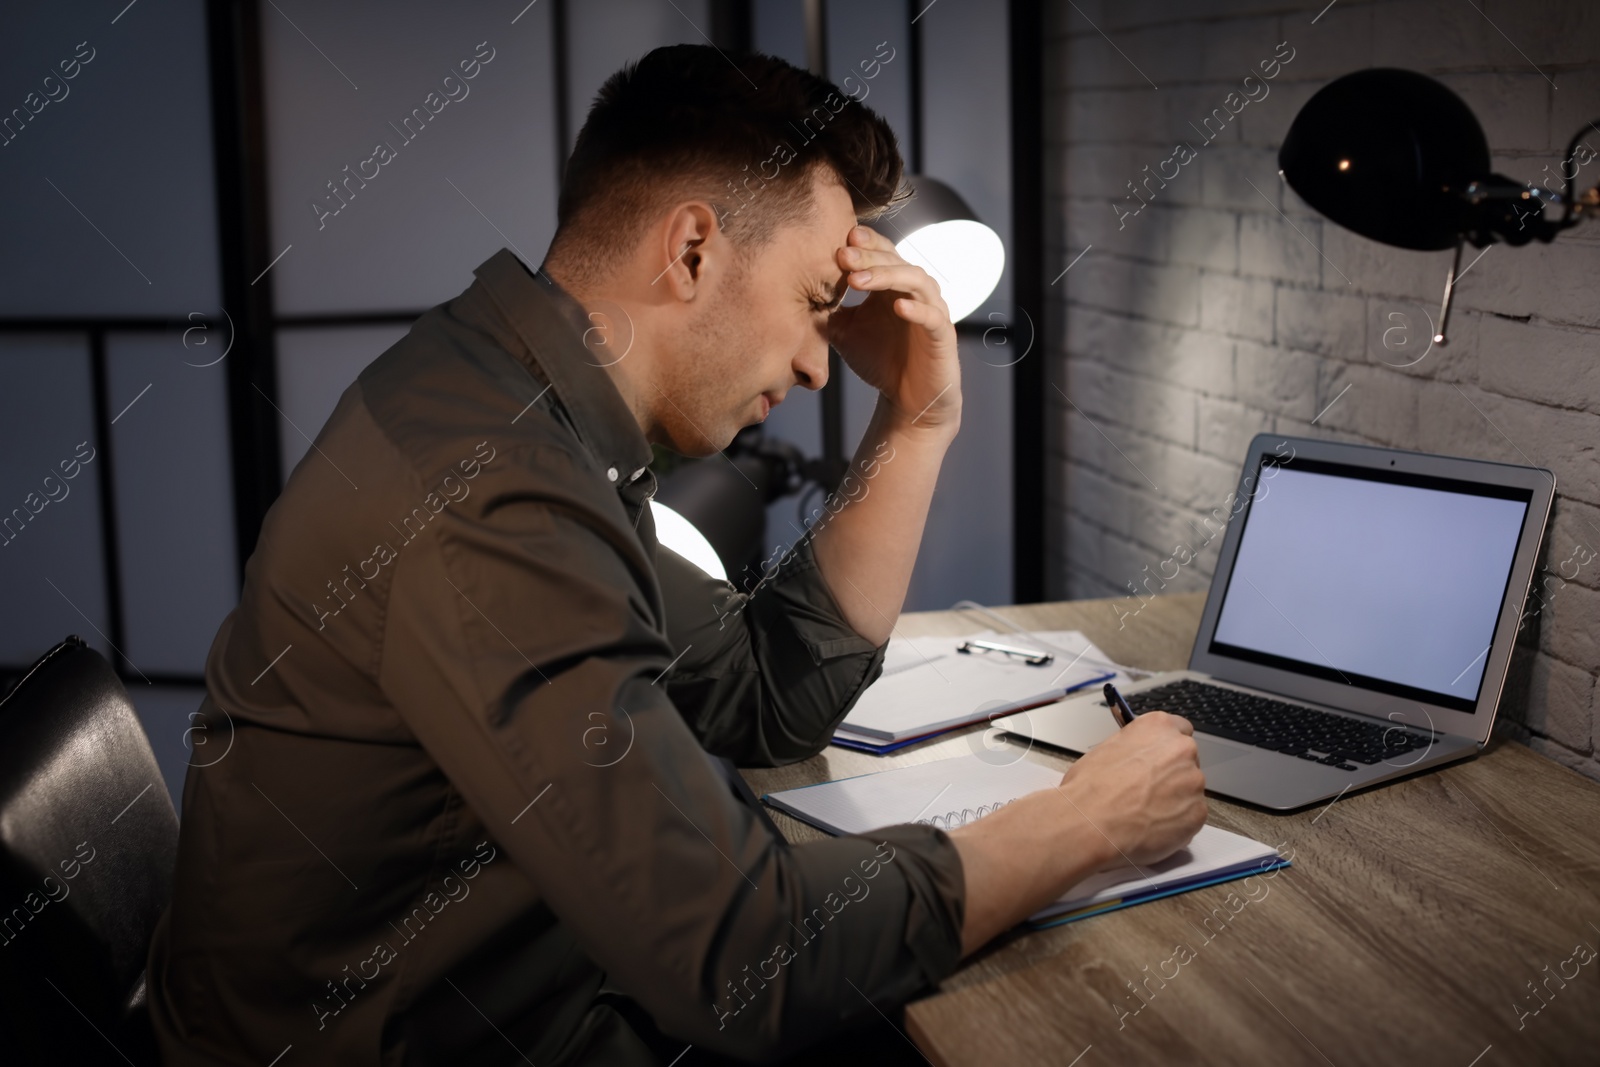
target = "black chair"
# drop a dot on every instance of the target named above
(88, 842)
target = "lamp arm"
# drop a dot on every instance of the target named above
(1449, 294)
(1495, 203)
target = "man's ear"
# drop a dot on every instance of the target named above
(693, 245)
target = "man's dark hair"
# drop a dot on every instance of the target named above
(743, 130)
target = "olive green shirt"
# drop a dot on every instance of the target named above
(451, 785)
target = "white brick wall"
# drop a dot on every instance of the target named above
(1227, 307)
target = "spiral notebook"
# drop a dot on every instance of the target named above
(952, 792)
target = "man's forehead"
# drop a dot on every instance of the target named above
(836, 211)
(828, 228)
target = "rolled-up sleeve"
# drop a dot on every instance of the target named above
(523, 650)
(762, 678)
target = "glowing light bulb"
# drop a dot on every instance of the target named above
(965, 257)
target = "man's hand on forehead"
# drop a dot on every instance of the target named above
(900, 340)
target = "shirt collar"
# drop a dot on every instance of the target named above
(552, 324)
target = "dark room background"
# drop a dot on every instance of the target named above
(186, 295)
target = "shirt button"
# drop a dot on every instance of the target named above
(611, 473)
(637, 474)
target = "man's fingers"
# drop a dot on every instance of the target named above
(922, 314)
(905, 278)
(867, 237)
(866, 258)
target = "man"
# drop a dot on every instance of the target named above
(471, 810)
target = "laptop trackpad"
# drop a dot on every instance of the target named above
(1213, 753)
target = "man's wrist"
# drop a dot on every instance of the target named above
(926, 426)
(1080, 834)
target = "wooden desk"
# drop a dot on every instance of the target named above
(1408, 930)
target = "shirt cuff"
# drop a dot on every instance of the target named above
(937, 905)
(812, 610)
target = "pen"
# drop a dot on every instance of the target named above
(1118, 704)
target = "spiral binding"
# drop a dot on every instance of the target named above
(951, 819)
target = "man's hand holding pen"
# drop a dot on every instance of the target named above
(1142, 787)
(1134, 799)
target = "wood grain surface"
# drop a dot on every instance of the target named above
(1449, 918)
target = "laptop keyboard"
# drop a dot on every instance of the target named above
(1295, 730)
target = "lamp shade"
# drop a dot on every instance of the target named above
(942, 235)
(1387, 153)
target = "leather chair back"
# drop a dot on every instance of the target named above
(88, 843)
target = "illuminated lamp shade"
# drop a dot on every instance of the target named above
(938, 232)
(679, 534)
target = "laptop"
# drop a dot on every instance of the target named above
(1358, 628)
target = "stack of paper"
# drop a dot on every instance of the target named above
(928, 687)
(953, 792)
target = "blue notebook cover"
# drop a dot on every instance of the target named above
(1141, 898)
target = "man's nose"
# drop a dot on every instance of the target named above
(811, 366)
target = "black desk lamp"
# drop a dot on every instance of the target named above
(1397, 157)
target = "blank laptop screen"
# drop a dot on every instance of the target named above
(1387, 581)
